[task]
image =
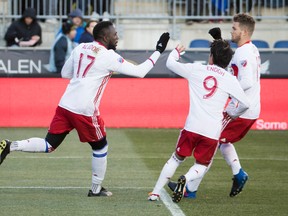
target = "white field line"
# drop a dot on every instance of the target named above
(165, 197)
(170, 205)
(65, 187)
(77, 157)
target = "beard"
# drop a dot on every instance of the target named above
(235, 39)
(111, 46)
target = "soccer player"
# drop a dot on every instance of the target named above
(245, 65)
(210, 86)
(89, 68)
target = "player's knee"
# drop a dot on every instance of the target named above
(179, 157)
(99, 144)
(54, 140)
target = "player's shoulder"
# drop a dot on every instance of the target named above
(244, 49)
(198, 65)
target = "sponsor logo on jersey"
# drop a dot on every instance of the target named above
(121, 60)
(243, 63)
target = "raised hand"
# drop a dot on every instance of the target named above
(162, 42)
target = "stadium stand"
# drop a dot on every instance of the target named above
(199, 43)
(233, 45)
(146, 19)
(281, 44)
(260, 43)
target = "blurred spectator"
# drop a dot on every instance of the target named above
(62, 48)
(76, 18)
(194, 8)
(246, 8)
(87, 35)
(219, 7)
(101, 7)
(25, 32)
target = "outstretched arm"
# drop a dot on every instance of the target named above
(141, 70)
(183, 70)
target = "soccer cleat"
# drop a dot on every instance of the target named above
(103, 192)
(4, 149)
(172, 185)
(187, 193)
(179, 190)
(153, 197)
(239, 181)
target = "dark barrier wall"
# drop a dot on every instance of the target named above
(21, 62)
(127, 102)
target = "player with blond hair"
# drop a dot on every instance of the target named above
(245, 65)
(210, 86)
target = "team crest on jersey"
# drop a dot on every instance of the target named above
(243, 63)
(121, 60)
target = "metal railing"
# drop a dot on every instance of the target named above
(147, 9)
(175, 11)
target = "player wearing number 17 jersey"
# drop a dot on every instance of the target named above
(89, 68)
(210, 86)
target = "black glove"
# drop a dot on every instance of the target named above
(215, 33)
(162, 42)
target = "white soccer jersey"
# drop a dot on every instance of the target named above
(89, 67)
(209, 88)
(245, 66)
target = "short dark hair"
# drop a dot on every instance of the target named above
(245, 20)
(67, 27)
(88, 24)
(221, 52)
(100, 29)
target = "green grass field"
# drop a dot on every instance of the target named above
(57, 183)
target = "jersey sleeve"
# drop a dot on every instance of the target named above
(182, 69)
(67, 69)
(245, 70)
(120, 65)
(235, 109)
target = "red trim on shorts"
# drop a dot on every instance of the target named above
(89, 128)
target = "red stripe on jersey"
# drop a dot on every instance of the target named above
(100, 89)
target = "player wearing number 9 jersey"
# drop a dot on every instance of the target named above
(210, 86)
(245, 65)
(89, 68)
